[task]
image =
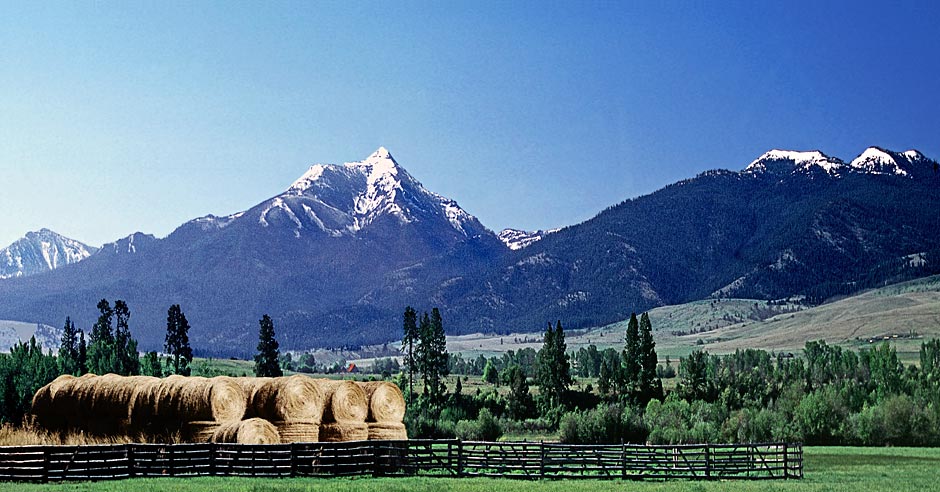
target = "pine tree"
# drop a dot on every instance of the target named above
(68, 349)
(553, 368)
(101, 359)
(630, 363)
(422, 350)
(410, 338)
(127, 360)
(151, 365)
(176, 343)
(650, 385)
(436, 358)
(82, 353)
(520, 402)
(266, 362)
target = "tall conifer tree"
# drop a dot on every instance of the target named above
(631, 359)
(650, 385)
(266, 362)
(176, 343)
(68, 349)
(409, 341)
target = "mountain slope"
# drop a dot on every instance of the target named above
(41, 251)
(788, 225)
(312, 257)
(336, 256)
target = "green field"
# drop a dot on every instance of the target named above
(827, 468)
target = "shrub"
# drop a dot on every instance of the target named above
(610, 424)
(484, 428)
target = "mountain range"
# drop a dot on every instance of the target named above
(336, 257)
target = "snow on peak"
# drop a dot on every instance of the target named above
(876, 160)
(914, 155)
(343, 199)
(515, 239)
(791, 160)
(41, 251)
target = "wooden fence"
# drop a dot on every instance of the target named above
(448, 458)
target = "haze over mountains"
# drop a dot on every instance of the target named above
(336, 257)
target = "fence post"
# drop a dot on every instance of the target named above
(293, 459)
(708, 462)
(541, 460)
(459, 458)
(623, 460)
(45, 464)
(786, 463)
(129, 453)
(212, 458)
(375, 458)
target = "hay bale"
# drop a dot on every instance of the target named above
(345, 401)
(387, 431)
(179, 399)
(386, 401)
(250, 387)
(200, 431)
(251, 431)
(298, 431)
(290, 398)
(346, 431)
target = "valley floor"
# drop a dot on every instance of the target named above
(827, 468)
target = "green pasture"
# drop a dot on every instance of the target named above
(827, 468)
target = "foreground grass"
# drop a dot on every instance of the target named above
(827, 469)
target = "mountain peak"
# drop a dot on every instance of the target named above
(786, 161)
(876, 160)
(40, 251)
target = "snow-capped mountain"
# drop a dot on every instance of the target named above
(41, 251)
(515, 239)
(337, 255)
(346, 199)
(874, 160)
(790, 161)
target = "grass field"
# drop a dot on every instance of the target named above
(827, 469)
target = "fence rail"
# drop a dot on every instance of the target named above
(447, 458)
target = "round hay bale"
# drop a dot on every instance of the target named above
(290, 398)
(251, 431)
(139, 414)
(180, 399)
(346, 431)
(250, 387)
(387, 431)
(386, 401)
(44, 411)
(345, 401)
(298, 431)
(200, 431)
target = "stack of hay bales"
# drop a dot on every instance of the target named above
(222, 409)
(294, 404)
(386, 411)
(345, 412)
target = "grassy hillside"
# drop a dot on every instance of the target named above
(724, 325)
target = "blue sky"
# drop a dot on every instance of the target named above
(126, 116)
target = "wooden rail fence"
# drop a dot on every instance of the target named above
(448, 458)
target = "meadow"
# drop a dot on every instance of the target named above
(827, 469)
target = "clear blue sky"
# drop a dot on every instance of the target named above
(126, 116)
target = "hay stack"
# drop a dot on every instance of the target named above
(51, 403)
(179, 399)
(290, 398)
(250, 386)
(251, 431)
(200, 431)
(298, 431)
(386, 401)
(345, 401)
(344, 431)
(387, 431)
